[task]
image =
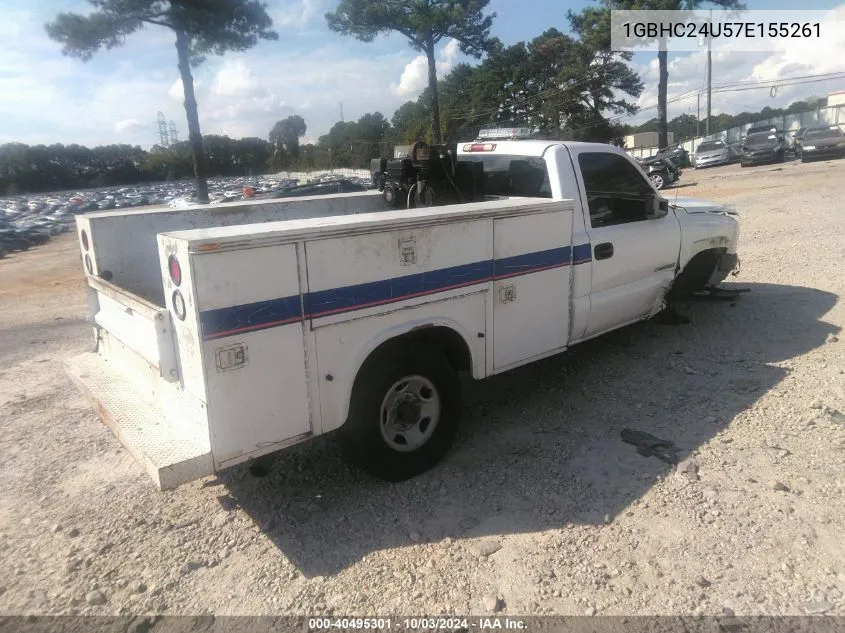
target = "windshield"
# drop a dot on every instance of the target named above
(710, 146)
(830, 132)
(764, 139)
(504, 175)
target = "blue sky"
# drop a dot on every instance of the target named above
(46, 98)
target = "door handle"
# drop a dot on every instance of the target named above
(603, 251)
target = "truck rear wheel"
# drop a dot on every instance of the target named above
(404, 412)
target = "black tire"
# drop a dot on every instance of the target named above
(363, 428)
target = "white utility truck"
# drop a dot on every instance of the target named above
(227, 333)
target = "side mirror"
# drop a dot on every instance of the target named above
(657, 207)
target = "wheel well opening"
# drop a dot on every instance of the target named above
(697, 272)
(444, 339)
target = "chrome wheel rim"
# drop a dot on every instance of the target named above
(658, 181)
(409, 413)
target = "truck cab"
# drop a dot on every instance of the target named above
(637, 241)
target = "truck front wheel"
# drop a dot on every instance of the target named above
(404, 412)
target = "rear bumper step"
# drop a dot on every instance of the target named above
(172, 455)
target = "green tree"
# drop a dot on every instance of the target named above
(603, 78)
(424, 23)
(683, 127)
(250, 156)
(502, 87)
(409, 122)
(284, 137)
(662, 54)
(560, 85)
(372, 134)
(200, 28)
(456, 93)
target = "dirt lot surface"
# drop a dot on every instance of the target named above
(540, 508)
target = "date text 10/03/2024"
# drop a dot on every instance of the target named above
(416, 624)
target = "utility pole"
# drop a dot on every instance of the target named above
(341, 111)
(698, 116)
(709, 74)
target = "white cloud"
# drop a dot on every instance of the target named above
(128, 125)
(296, 13)
(48, 98)
(176, 90)
(450, 52)
(797, 58)
(414, 78)
(236, 79)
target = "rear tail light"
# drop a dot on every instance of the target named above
(175, 270)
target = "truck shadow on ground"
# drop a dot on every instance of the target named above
(540, 446)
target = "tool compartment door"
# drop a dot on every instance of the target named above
(532, 284)
(250, 314)
(367, 287)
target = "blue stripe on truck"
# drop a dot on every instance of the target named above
(336, 300)
(223, 322)
(250, 317)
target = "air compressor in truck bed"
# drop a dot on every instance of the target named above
(264, 335)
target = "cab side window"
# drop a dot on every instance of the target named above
(617, 191)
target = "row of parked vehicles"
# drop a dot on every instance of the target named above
(763, 143)
(766, 143)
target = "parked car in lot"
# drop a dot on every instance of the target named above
(760, 148)
(823, 141)
(770, 128)
(678, 155)
(715, 152)
(797, 138)
(758, 128)
(661, 171)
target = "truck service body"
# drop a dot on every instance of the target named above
(226, 334)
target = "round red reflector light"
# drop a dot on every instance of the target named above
(85, 240)
(175, 270)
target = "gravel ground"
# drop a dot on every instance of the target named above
(540, 508)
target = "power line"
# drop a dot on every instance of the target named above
(791, 81)
(744, 86)
(717, 88)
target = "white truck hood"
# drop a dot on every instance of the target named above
(694, 205)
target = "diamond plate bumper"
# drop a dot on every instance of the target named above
(171, 454)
